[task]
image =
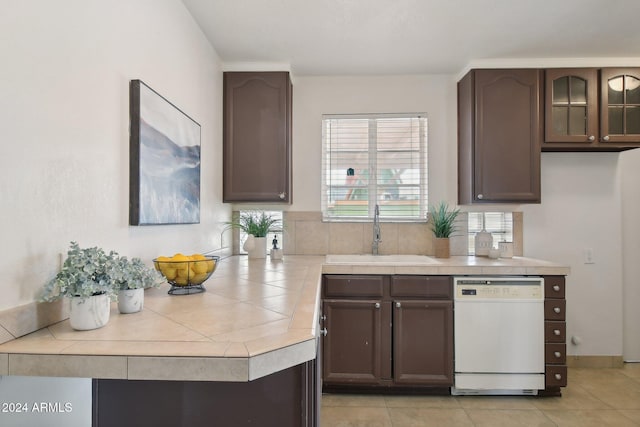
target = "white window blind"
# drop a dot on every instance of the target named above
(499, 224)
(374, 159)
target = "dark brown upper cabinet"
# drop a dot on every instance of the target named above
(499, 136)
(257, 137)
(590, 109)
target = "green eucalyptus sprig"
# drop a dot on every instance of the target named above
(134, 274)
(85, 272)
(92, 271)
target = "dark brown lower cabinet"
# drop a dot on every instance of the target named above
(423, 342)
(392, 332)
(356, 349)
(287, 398)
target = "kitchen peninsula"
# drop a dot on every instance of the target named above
(252, 337)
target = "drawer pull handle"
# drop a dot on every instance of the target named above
(558, 377)
(557, 310)
(557, 354)
(556, 288)
(377, 305)
(556, 332)
(323, 332)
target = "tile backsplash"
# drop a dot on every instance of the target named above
(306, 234)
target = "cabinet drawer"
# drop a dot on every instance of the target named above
(422, 286)
(555, 331)
(353, 286)
(554, 309)
(555, 376)
(555, 354)
(554, 287)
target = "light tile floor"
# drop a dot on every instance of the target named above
(594, 397)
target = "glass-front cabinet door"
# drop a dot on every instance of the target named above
(620, 105)
(571, 105)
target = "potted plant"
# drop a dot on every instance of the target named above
(131, 278)
(256, 225)
(442, 221)
(86, 279)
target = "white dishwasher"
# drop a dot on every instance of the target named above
(499, 335)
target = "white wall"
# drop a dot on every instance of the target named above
(64, 167)
(630, 166)
(581, 208)
(434, 95)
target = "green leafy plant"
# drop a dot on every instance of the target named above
(442, 220)
(257, 224)
(85, 272)
(134, 274)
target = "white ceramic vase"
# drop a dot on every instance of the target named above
(130, 300)
(256, 247)
(89, 313)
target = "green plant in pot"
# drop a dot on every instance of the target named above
(442, 222)
(257, 225)
(132, 277)
(86, 278)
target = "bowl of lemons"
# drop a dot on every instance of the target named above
(186, 273)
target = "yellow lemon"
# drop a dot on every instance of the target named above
(169, 273)
(210, 265)
(198, 278)
(200, 267)
(181, 281)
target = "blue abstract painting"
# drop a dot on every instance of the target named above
(165, 161)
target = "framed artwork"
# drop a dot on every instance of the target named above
(164, 160)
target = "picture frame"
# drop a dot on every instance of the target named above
(164, 160)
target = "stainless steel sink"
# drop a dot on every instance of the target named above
(381, 259)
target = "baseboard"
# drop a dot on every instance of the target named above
(595, 361)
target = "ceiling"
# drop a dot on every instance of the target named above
(360, 37)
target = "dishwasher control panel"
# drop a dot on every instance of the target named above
(500, 288)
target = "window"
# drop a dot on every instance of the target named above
(374, 159)
(499, 224)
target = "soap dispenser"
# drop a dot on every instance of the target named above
(483, 241)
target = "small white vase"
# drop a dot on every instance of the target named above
(259, 249)
(130, 300)
(249, 243)
(89, 313)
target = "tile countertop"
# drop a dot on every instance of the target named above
(257, 317)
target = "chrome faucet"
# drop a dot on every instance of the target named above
(377, 237)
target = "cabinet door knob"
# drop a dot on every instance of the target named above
(398, 305)
(556, 309)
(605, 138)
(556, 288)
(480, 196)
(592, 138)
(323, 332)
(377, 305)
(557, 354)
(323, 317)
(282, 195)
(558, 377)
(556, 332)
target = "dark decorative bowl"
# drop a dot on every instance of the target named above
(185, 274)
